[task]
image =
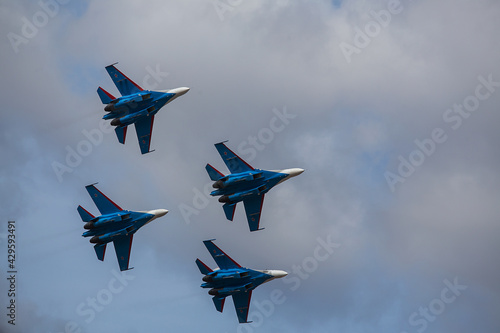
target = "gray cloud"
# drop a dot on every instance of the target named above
(353, 122)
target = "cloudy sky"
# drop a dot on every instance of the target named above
(391, 107)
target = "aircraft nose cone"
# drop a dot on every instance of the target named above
(180, 91)
(279, 274)
(160, 212)
(293, 172)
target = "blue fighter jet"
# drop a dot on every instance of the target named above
(135, 106)
(245, 184)
(230, 279)
(114, 225)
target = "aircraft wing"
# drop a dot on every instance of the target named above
(242, 304)
(122, 249)
(125, 85)
(144, 129)
(103, 203)
(221, 258)
(233, 162)
(253, 208)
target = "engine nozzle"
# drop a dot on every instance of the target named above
(213, 292)
(95, 240)
(224, 199)
(116, 122)
(218, 184)
(88, 225)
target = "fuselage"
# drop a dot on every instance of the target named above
(108, 227)
(229, 281)
(238, 186)
(126, 110)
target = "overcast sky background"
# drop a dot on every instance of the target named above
(351, 121)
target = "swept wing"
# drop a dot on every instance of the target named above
(144, 129)
(122, 249)
(103, 203)
(125, 85)
(234, 163)
(221, 258)
(242, 304)
(253, 209)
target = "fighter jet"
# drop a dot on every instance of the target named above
(135, 106)
(246, 184)
(114, 225)
(230, 279)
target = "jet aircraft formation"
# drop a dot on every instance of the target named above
(244, 183)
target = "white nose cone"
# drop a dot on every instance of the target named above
(278, 273)
(159, 212)
(293, 172)
(179, 91)
(290, 173)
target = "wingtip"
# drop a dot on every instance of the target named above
(209, 240)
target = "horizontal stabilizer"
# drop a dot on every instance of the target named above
(100, 250)
(229, 210)
(219, 303)
(213, 173)
(121, 133)
(86, 216)
(105, 96)
(204, 269)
